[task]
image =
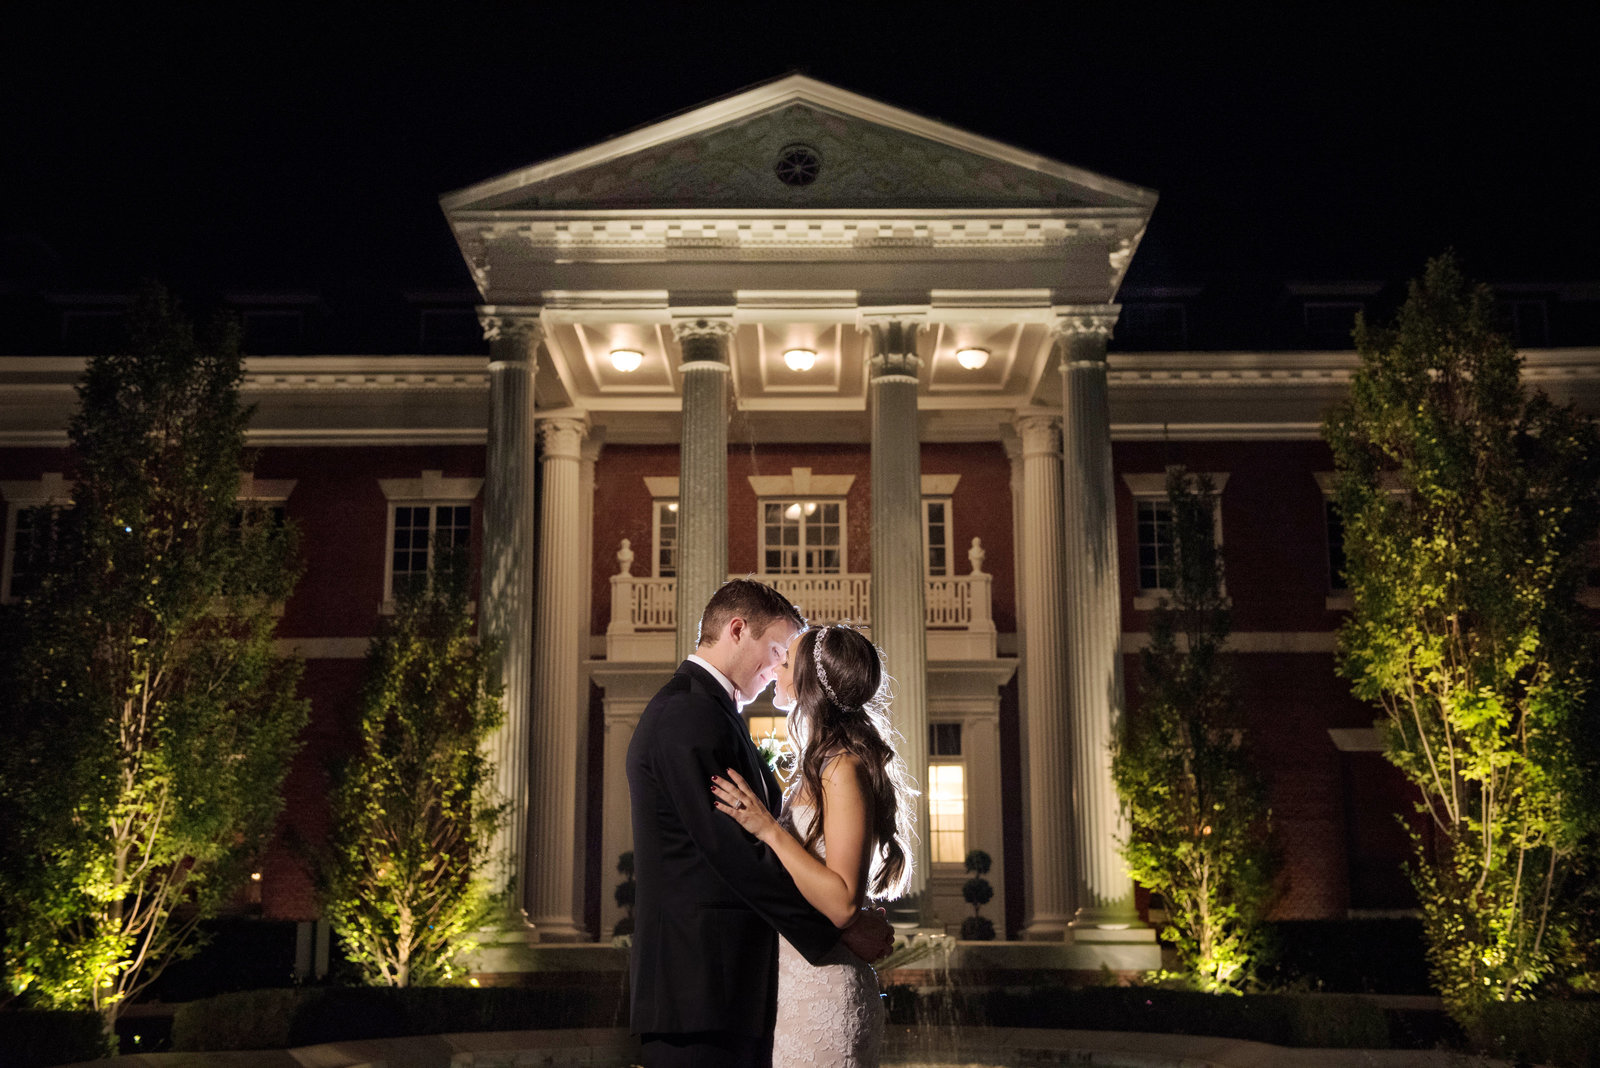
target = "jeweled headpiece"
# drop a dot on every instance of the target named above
(822, 672)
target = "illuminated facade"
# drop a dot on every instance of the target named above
(800, 334)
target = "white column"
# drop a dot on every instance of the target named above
(556, 703)
(1045, 682)
(980, 747)
(507, 595)
(1094, 624)
(702, 471)
(899, 591)
(589, 456)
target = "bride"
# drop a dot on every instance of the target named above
(844, 835)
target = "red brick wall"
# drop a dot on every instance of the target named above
(1274, 536)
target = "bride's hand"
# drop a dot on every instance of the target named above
(734, 798)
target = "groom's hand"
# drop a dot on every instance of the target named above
(869, 935)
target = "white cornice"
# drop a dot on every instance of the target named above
(794, 88)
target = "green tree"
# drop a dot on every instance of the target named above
(404, 882)
(1467, 505)
(151, 722)
(1199, 825)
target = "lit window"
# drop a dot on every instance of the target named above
(666, 537)
(801, 537)
(947, 794)
(947, 812)
(936, 535)
(764, 727)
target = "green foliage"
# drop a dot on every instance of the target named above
(626, 894)
(151, 722)
(404, 882)
(1199, 823)
(1467, 505)
(977, 892)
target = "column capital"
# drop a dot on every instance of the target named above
(1040, 434)
(702, 326)
(892, 347)
(704, 341)
(563, 437)
(525, 328)
(1085, 320)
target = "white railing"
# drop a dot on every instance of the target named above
(954, 602)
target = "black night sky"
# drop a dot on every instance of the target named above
(276, 146)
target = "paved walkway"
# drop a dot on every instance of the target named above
(970, 1047)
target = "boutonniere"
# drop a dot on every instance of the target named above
(776, 755)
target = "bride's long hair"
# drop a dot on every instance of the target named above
(850, 714)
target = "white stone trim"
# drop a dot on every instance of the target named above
(793, 88)
(801, 482)
(431, 486)
(322, 648)
(1253, 641)
(939, 485)
(1356, 739)
(265, 490)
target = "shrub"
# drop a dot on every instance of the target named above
(30, 1038)
(1561, 1033)
(280, 1019)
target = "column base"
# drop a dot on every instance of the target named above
(1046, 929)
(1120, 921)
(561, 929)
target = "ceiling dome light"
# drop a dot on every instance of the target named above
(626, 360)
(972, 359)
(800, 359)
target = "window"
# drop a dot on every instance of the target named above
(273, 333)
(664, 562)
(430, 527)
(93, 332)
(1330, 323)
(450, 331)
(1153, 531)
(802, 537)
(1158, 326)
(426, 536)
(936, 535)
(1335, 528)
(32, 510)
(1530, 323)
(947, 794)
(1155, 545)
(29, 549)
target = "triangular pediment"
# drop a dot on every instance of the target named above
(726, 155)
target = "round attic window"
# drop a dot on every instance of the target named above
(797, 165)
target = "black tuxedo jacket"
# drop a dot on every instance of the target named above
(710, 900)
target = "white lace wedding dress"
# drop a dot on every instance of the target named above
(829, 1014)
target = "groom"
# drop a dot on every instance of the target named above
(711, 900)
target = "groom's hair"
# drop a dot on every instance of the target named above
(755, 602)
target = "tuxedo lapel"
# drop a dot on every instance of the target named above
(713, 688)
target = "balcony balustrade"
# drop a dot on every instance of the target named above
(959, 616)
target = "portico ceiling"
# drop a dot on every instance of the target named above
(708, 214)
